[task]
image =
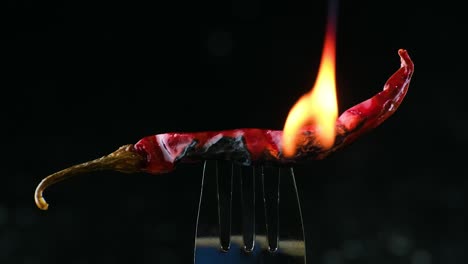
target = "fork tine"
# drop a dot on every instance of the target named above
(293, 237)
(224, 171)
(271, 199)
(248, 207)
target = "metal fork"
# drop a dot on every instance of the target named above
(241, 218)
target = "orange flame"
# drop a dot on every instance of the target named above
(318, 107)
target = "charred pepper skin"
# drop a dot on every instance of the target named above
(161, 153)
(251, 146)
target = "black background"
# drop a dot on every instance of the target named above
(82, 78)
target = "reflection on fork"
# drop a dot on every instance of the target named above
(241, 218)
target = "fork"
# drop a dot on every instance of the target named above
(241, 218)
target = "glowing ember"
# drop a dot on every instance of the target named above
(319, 107)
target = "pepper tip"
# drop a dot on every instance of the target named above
(405, 59)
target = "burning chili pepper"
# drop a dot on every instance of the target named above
(160, 153)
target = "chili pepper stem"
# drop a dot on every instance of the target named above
(125, 159)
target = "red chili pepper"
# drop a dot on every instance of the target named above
(160, 153)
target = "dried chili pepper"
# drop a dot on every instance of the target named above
(162, 152)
